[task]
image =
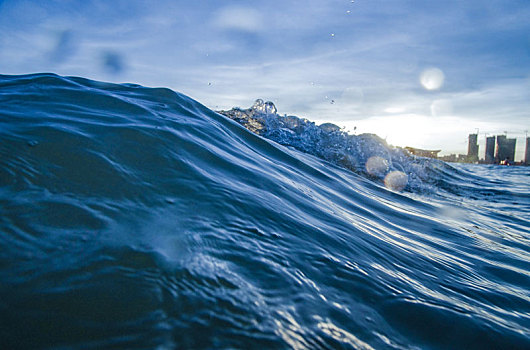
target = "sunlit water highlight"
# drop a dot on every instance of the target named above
(134, 217)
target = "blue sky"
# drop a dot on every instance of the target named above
(358, 64)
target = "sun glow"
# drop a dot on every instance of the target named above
(399, 130)
(428, 132)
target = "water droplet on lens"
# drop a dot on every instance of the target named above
(65, 47)
(113, 62)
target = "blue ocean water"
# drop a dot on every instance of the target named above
(134, 217)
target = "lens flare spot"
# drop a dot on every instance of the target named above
(376, 166)
(396, 180)
(432, 78)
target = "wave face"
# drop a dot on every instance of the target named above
(136, 217)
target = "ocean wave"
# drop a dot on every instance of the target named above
(137, 217)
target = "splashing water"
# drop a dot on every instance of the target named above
(367, 154)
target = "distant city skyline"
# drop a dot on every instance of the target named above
(419, 74)
(520, 146)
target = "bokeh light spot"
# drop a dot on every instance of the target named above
(432, 78)
(396, 180)
(376, 166)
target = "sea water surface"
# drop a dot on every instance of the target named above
(134, 217)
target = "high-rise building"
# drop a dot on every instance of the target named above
(505, 149)
(472, 148)
(489, 157)
(527, 152)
